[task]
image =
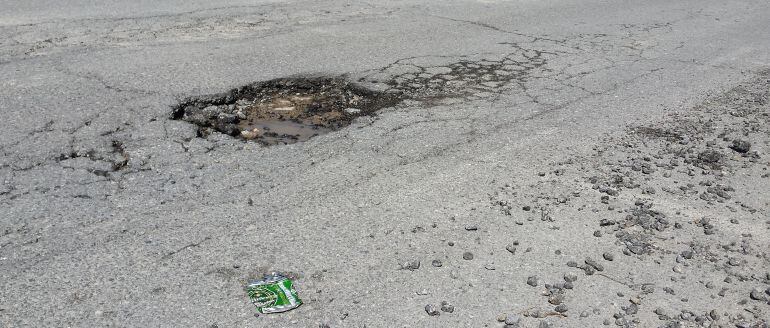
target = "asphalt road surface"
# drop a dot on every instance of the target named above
(604, 162)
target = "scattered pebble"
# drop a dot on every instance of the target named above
(532, 281)
(431, 310)
(447, 307)
(757, 294)
(608, 256)
(741, 146)
(436, 263)
(596, 265)
(512, 319)
(467, 256)
(411, 265)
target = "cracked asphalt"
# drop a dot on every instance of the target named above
(617, 152)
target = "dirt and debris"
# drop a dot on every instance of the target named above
(283, 111)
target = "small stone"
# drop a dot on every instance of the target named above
(741, 146)
(714, 315)
(512, 319)
(678, 268)
(556, 299)
(411, 265)
(570, 277)
(710, 156)
(635, 300)
(757, 295)
(536, 313)
(532, 281)
(568, 285)
(571, 264)
(561, 308)
(249, 135)
(352, 111)
(632, 309)
(447, 307)
(511, 248)
(526, 208)
(467, 256)
(436, 263)
(584, 314)
(608, 256)
(422, 292)
(431, 310)
(501, 317)
(545, 324)
(606, 322)
(596, 265)
(722, 292)
(472, 227)
(734, 261)
(451, 243)
(597, 233)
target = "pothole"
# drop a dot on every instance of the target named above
(283, 111)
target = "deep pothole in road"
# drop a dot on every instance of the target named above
(283, 111)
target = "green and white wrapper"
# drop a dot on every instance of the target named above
(272, 294)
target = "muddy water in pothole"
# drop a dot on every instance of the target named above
(283, 111)
(274, 132)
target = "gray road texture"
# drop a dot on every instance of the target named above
(597, 148)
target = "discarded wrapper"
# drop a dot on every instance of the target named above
(273, 293)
